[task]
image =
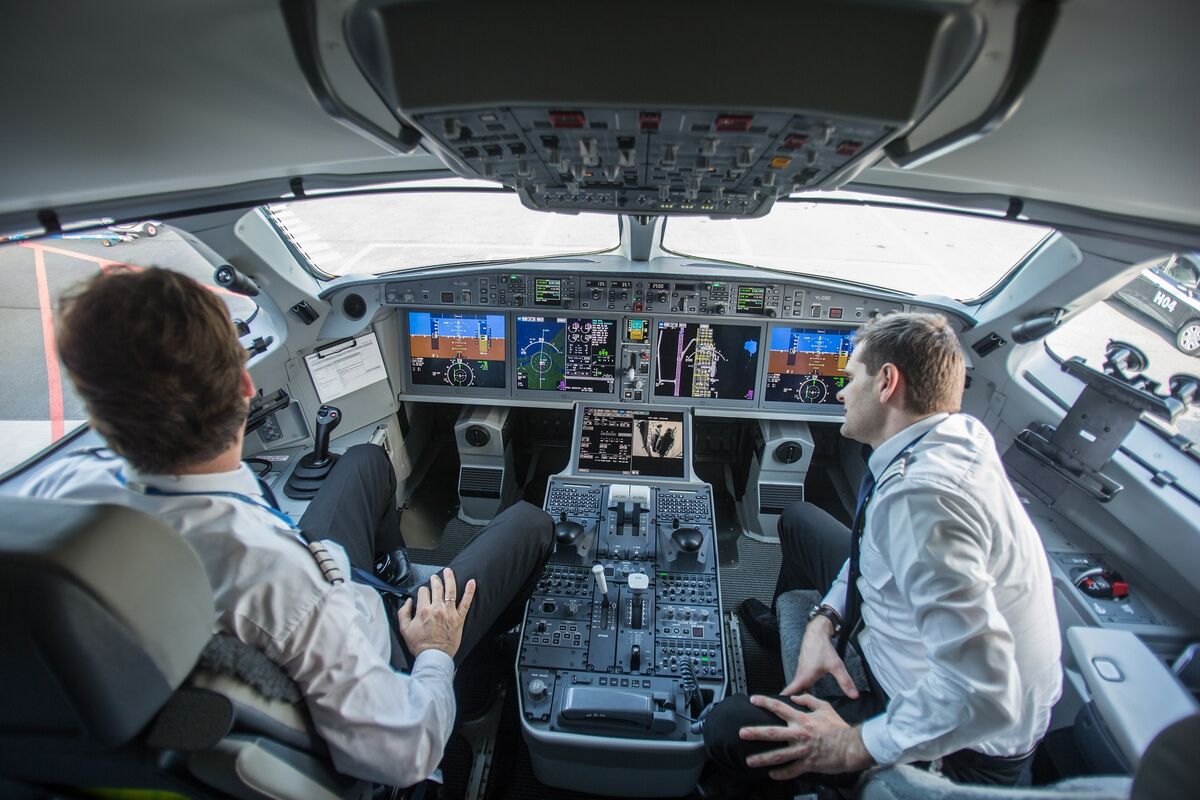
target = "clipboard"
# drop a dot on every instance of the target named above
(346, 366)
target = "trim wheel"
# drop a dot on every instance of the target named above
(1188, 337)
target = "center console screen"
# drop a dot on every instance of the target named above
(566, 354)
(699, 360)
(807, 365)
(632, 442)
(458, 350)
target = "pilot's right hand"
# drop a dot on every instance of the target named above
(436, 623)
(818, 657)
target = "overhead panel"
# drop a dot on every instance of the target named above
(651, 107)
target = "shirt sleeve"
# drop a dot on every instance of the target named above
(937, 548)
(380, 725)
(835, 598)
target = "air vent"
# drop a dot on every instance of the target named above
(773, 498)
(479, 482)
(354, 306)
(477, 436)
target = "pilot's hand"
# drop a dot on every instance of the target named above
(814, 738)
(818, 657)
(436, 622)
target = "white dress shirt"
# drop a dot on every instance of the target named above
(332, 639)
(960, 627)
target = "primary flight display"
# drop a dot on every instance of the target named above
(566, 354)
(706, 361)
(457, 350)
(807, 365)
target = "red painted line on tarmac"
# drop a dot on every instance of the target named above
(106, 265)
(53, 376)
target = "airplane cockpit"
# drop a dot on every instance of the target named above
(609, 261)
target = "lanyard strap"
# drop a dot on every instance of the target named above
(154, 491)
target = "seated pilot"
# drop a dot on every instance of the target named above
(941, 584)
(158, 364)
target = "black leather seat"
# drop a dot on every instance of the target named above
(105, 613)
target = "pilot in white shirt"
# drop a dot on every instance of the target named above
(181, 462)
(959, 633)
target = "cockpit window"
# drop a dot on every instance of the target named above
(1158, 312)
(912, 250)
(38, 405)
(454, 223)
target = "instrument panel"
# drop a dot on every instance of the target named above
(552, 338)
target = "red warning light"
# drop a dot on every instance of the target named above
(795, 141)
(849, 148)
(566, 119)
(734, 123)
(649, 120)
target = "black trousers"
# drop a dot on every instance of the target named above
(815, 545)
(356, 507)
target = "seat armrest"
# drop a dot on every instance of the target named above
(1134, 692)
(253, 768)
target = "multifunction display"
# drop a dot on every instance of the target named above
(566, 354)
(459, 350)
(547, 292)
(807, 365)
(632, 442)
(751, 299)
(699, 360)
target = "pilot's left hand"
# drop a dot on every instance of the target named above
(814, 740)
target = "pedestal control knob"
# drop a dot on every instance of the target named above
(541, 626)
(537, 690)
(670, 613)
(572, 608)
(704, 615)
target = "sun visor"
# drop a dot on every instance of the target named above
(663, 107)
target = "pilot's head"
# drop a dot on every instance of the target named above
(904, 366)
(156, 359)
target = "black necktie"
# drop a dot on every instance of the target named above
(853, 596)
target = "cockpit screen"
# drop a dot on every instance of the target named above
(566, 354)
(629, 442)
(698, 360)
(807, 365)
(460, 350)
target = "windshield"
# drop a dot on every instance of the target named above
(910, 250)
(453, 222)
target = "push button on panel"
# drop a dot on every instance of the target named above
(1107, 668)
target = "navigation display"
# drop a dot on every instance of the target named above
(699, 360)
(629, 442)
(807, 365)
(460, 350)
(566, 354)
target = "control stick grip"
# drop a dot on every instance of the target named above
(328, 418)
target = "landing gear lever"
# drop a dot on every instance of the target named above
(314, 467)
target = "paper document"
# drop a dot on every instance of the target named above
(347, 367)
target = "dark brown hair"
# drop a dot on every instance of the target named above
(926, 351)
(156, 359)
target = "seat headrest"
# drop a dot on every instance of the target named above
(1169, 767)
(103, 612)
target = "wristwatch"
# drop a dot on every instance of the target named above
(829, 613)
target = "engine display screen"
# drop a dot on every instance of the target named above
(807, 365)
(458, 350)
(699, 360)
(632, 442)
(566, 354)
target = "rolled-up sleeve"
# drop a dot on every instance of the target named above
(380, 725)
(938, 555)
(835, 598)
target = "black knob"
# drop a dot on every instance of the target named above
(663, 297)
